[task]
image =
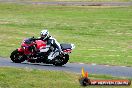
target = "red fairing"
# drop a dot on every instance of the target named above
(26, 50)
(67, 50)
(40, 44)
(24, 44)
(20, 49)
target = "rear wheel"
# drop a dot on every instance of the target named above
(61, 60)
(17, 56)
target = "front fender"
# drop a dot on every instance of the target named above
(20, 50)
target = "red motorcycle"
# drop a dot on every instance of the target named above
(36, 51)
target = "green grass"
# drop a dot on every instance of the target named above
(32, 78)
(102, 35)
(81, 0)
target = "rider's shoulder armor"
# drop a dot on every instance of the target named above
(50, 40)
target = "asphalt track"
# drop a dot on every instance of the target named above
(69, 3)
(120, 71)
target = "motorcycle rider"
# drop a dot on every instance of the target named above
(51, 42)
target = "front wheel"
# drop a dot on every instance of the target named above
(61, 60)
(17, 56)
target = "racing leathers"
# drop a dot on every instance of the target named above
(53, 45)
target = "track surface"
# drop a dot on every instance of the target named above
(72, 3)
(73, 67)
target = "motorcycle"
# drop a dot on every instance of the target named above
(36, 51)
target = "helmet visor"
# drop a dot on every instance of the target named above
(43, 36)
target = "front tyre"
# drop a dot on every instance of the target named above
(17, 56)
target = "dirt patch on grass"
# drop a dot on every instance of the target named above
(67, 3)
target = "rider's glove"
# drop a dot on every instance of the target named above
(33, 39)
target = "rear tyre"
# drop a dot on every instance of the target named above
(61, 60)
(17, 56)
(65, 59)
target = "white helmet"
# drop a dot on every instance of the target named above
(44, 34)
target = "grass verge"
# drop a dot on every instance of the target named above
(80, 0)
(32, 78)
